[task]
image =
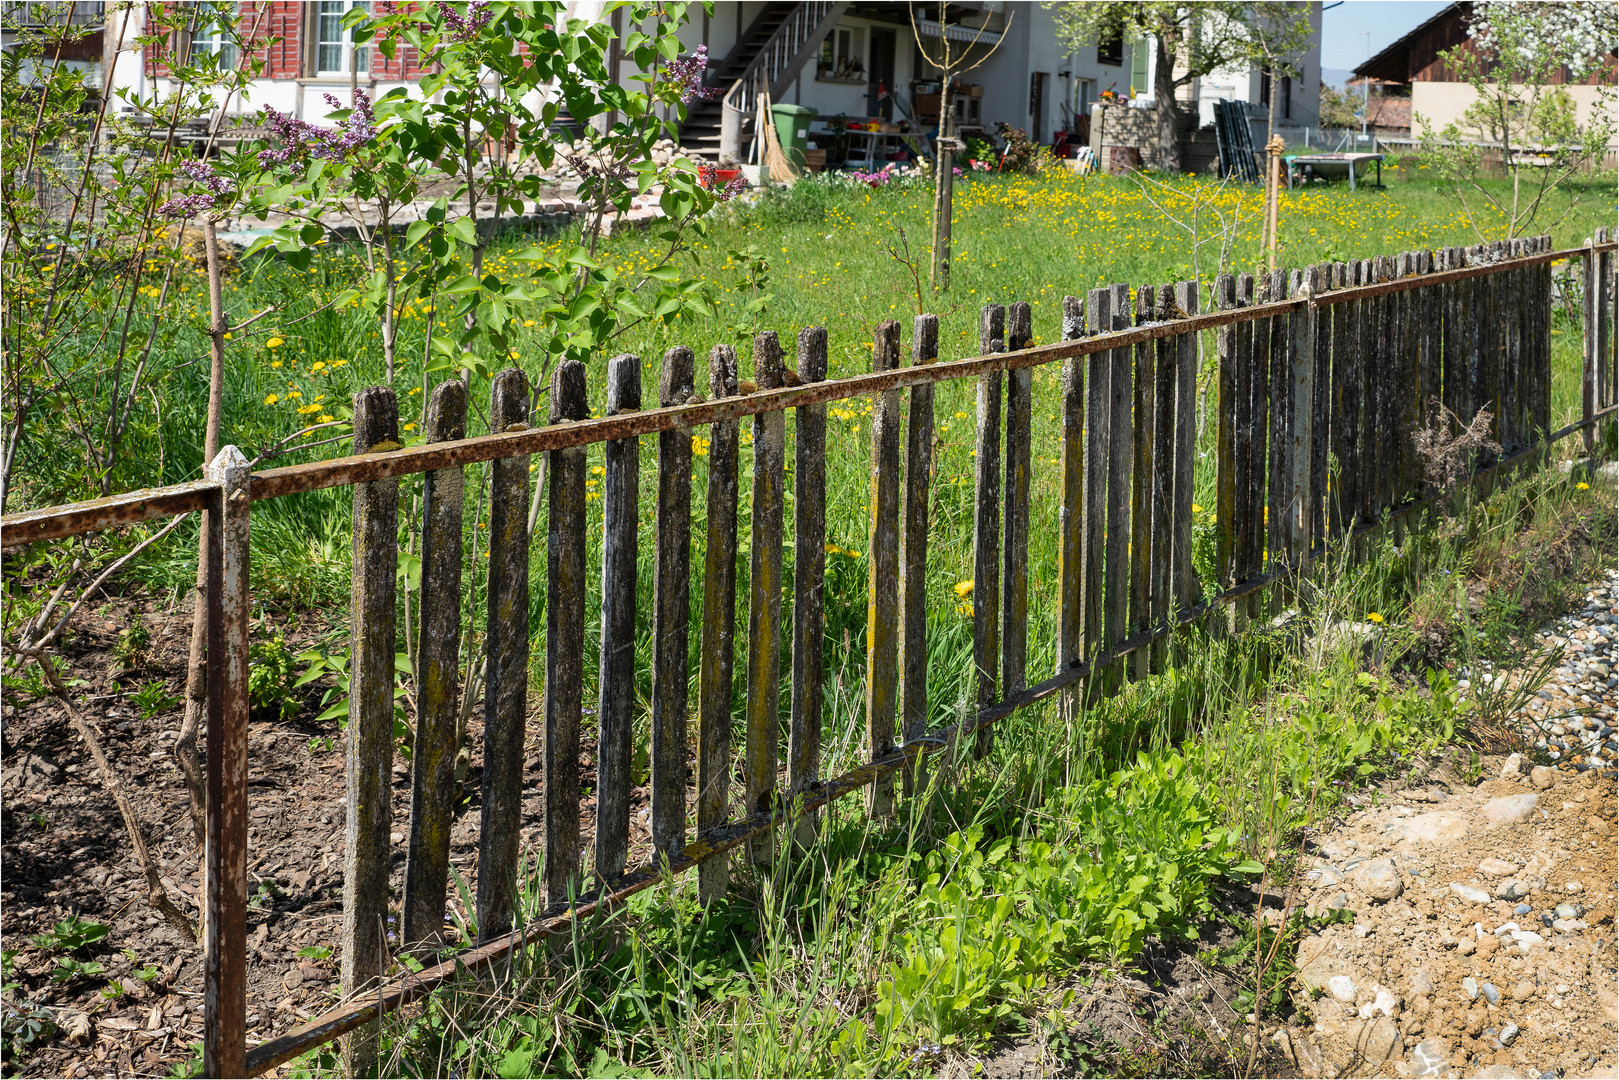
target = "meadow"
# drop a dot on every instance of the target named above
(899, 943)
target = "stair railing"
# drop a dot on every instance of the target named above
(774, 66)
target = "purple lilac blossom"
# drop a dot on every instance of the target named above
(299, 139)
(465, 27)
(686, 72)
(215, 188)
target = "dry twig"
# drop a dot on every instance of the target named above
(156, 893)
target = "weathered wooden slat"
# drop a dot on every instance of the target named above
(764, 594)
(1247, 525)
(809, 574)
(432, 795)
(718, 657)
(671, 609)
(1071, 515)
(1374, 429)
(1142, 553)
(368, 760)
(1278, 491)
(1473, 344)
(1491, 349)
(621, 486)
(1015, 556)
(1230, 448)
(225, 849)
(987, 519)
(1452, 363)
(564, 639)
(913, 567)
(1098, 414)
(505, 698)
(1185, 589)
(1301, 355)
(1121, 452)
(882, 583)
(1322, 417)
(1458, 377)
(1344, 502)
(1507, 317)
(1606, 371)
(1403, 382)
(1589, 353)
(1161, 584)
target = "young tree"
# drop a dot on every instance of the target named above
(1520, 60)
(1201, 38)
(1339, 108)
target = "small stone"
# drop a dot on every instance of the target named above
(1574, 887)
(1526, 938)
(1430, 1057)
(1468, 892)
(1342, 988)
(1511, 889)
(1380, 881)
(1493, 867)
(1508, 1034)
(1379, 1040)
(1541, 776)
(1510, 808)
(1568, 926)
(1523, 990)
(1470, 988)
(1466, 947)
(1568, 911)
(1522, 909)
(1491, 994)
(1512, 768)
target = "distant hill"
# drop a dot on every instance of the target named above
(1338, 77)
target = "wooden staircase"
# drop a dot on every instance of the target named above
(769, 55)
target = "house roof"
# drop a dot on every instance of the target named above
(1393, 64)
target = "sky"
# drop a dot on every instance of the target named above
(1344, 27)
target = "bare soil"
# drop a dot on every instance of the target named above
(65, 855)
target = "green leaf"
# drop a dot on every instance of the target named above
(464, 230)
(417, 230)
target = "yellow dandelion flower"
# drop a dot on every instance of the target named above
(963, 588)
(1582, 486)
(318, 365)
(274, 343)
(275, 363)
(1374, 617)
(272, 399)
(326, 418)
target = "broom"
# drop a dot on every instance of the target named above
(777, 167)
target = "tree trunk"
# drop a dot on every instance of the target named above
(185, 746)
(1168, 110)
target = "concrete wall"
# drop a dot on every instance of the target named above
(1435, 104)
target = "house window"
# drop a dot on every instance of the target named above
(1110, 50)
(213, 34)
(843, 54)
(1140, 80)
(333, 42)
(1287, 97)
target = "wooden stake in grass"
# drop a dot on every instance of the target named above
(620, 503)
(882, 605)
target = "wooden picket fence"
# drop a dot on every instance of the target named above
(1323, 377)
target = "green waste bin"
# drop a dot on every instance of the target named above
(792, 129)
